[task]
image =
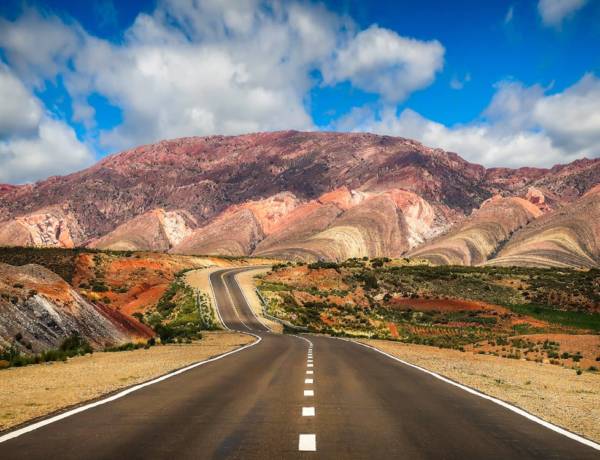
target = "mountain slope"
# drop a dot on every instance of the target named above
(287, 194)
(479, 236)
(568, 237)
(44, 309)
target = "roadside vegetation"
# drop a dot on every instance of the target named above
(73, 345)
(176, 316)
(478, 309)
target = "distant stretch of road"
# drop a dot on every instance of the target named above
(295, 397)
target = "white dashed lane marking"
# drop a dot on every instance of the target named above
(308, 380)
(310, 372)
(308, 411)
(309, 393)
(309, 365)
(308, 442)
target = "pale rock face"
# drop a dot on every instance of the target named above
(271, 213)
(48, 227)
(345, 199)
(537, 198)
(419, 215)
(175, 226)
(47, 230)
(54, 311)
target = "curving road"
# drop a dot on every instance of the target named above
(295, 397)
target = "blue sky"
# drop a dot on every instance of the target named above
(503, 83)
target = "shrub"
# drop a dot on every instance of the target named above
(18, 286)
(76, 343)
(4, 364)
(579, 371)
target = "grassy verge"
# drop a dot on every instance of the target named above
(577, 319)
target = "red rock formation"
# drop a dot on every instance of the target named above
(45, 310)
(269, 192)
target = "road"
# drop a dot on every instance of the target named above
(259, 404)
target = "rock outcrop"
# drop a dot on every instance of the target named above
(40, 307)
(567, 237)
(48, 227)
(480, 236)
(158, 230)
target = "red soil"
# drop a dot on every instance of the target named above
(442, 304)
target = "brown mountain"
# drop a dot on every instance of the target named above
(289, 195)
(478, 237)
(568, 237)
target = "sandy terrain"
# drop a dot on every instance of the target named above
(553, 393)
(199, 279)
(35, 391)
(247, 283)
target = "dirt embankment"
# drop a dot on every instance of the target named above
(553, 393)
(247, 283)
(36, 391)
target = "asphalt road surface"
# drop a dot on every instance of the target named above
(295, 397)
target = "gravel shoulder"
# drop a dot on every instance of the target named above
(199, 279)
(555, 394)
(247, 283)
(36, 391)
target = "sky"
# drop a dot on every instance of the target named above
(501, 83)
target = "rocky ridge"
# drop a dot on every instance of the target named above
(290, 195)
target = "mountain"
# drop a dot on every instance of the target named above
(568, 237)
(476, 239)
(293, 195)
(41, 307)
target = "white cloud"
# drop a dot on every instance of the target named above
(32, 143)
(381, 61)
(54, 150)
(36, 46)
(197, 67)
(554, 12)
(522, 126)
(20, 111)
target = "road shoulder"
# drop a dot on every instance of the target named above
(552, 393)
(34, 392)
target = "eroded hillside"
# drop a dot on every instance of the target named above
(305, 196)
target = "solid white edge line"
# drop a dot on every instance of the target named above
(307, 443)
(506, 405)
(56, 418)
(248, 303)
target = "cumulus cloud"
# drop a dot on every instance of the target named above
(54, 150)
(554, 12)
(33, 144)
(381, 61)
(37, 46)
(522, 126)
(20, 111)
(197, 67)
